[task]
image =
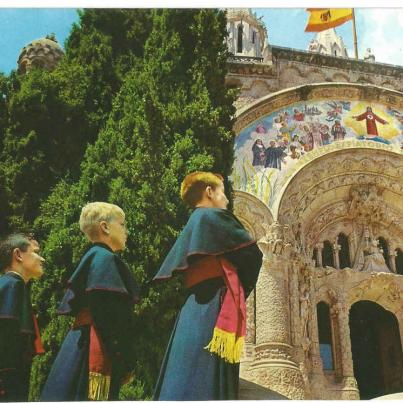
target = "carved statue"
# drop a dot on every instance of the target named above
(373, 257)
(369, 56)
(305, 315)
(313, 46)
(277, 237)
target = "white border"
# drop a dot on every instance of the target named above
(198, 3)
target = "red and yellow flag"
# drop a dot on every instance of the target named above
(325, 18)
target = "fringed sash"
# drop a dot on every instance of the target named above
(230, 328)
(100, 366)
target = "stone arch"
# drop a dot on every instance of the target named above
(253, 213)
(382, 289)
(375, 344)
(317, 194)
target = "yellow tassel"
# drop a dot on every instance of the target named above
(226, 346)
(98, 386)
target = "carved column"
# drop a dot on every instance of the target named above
(350, 388)
(273, 366)
(392, 260)
(336, 257)
(248, 352)
(319, 247)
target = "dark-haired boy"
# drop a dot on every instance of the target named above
(19, 336)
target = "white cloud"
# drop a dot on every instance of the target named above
(382, 31)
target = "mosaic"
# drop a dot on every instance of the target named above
(268, 148)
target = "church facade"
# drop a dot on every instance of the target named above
(318, 179)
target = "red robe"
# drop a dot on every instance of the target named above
(371, 119)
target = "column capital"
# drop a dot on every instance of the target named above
(277, 243)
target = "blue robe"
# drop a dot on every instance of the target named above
(189, 371)
(274, 156)
(17, 335)
(103, 284)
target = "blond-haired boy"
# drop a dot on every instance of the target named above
(97, 354)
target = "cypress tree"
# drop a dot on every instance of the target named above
(54, 115)
(172, 115)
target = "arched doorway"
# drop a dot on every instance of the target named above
(376, 349)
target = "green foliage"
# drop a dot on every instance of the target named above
(53, 116)
(172, 115)
(47, 133)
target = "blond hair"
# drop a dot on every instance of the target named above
(195, 184)
(93, 213)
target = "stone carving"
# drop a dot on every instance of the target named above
(252, 213)
(354, 187)
(369, 56)
(379, 287)
(277, 241)
(305, 316)
(365, 202)
(306, 187)
(313, 46)
(373, 257)
(285, 381)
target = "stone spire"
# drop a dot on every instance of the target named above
(247, 35)
(44, 53)
(328, 43)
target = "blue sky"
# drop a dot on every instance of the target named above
(19, 26)
(379, 29)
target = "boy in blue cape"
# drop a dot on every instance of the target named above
(19, 335)
(97, 356)
(220, 263)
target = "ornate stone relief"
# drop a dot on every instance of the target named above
(278, 240)
(344, 187)
(305, 311)
(359, 168)
(253, 213)
(383, 288)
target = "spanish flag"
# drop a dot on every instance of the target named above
(325, 18)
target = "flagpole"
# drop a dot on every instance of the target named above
(355, 35)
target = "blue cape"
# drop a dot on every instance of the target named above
(209, 231)
(15, 301)
(99, 269)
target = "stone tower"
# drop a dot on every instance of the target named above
(247, 34)
(44, 52)
(328, 43)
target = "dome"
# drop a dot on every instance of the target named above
(44, 52)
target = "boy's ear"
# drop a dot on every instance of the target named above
(17, 254)
(103, 226)
(209, 191)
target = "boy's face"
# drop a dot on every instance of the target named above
(117, 233)
(218, 197)
(31, 261)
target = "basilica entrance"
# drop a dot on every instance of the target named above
(376, 349)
